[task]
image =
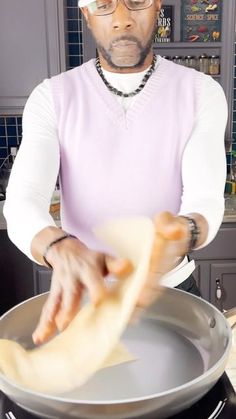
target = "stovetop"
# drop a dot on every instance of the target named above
(218, 403)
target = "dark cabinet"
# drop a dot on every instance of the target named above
(215, 271)
(201, 275)
(42, 279)
(32, 48)
(16, 274)
(20, 278)
(216, 268)
(223, 284)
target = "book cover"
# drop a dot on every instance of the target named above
(201, 20)
(164, 32)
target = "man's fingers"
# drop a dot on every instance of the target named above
(170, 227)
(121, 268)
(93, 280)
(70, 304)
(158, 256)
(158, 265)
(47, 326)
(44, 331)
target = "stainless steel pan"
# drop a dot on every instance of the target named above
(182, 344)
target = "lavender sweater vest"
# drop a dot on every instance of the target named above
(116, 164)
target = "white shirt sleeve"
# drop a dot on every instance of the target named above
(204, 161)
(29, 190)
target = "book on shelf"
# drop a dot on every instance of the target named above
(201, 20)
(165, 24)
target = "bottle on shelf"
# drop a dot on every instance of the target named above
(190, 61)
(204, 64)
(214, 65)
(177, 59)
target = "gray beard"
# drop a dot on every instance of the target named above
(144, 50)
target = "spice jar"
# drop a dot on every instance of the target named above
(214, 65)
(190, 61)
(204, 63)
(167, 57)
(177, 59)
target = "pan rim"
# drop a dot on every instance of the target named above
(166, 393)
(65, 400)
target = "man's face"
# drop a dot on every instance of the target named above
(124, 38)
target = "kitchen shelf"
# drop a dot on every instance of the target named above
(203, 45)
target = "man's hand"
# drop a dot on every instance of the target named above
(75, 267)
(170, 243)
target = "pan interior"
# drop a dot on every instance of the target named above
(165, 359)
(173, 344)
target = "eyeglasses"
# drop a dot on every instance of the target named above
(107, 7)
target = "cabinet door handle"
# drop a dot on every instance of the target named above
(218, 290)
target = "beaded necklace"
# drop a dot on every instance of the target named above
(134, 92)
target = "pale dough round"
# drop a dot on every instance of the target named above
(71, 358)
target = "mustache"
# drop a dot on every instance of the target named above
(125, 38)
(144, 49)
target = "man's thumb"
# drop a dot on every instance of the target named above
(121, 268)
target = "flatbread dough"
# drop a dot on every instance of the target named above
(71, 358)
(119, 355)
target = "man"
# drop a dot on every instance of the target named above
(129, 134)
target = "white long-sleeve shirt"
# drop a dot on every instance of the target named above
(36, 167)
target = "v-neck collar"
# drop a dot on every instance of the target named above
(114, 108)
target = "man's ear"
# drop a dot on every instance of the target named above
(158, 5)
(85, 12)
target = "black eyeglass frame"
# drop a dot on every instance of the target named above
(115, 6)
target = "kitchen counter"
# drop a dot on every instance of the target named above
(229, 216)
(230, 209)
(3, 224)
